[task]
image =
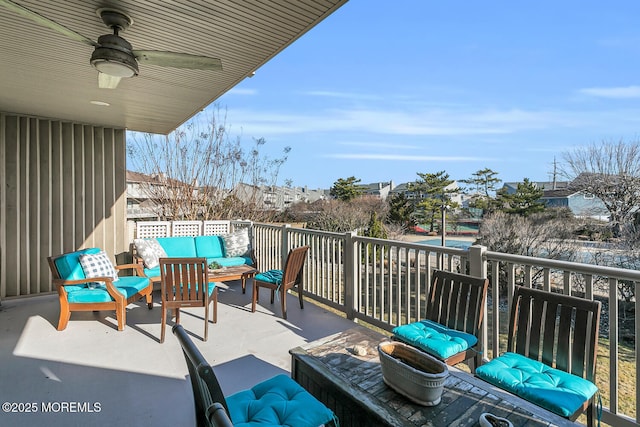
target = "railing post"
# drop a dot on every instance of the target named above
(477, 264)
(350, 279)
(284, 249)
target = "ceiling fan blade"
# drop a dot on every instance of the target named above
(177, 60)
(46, 22)
(105, 81)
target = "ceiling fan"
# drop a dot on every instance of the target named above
(113, 56)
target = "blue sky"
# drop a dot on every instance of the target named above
(382, 90)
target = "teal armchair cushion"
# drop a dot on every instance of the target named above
(178, 246)
(68, 265)
(127, 286)
(279, 401)
(558, 391)
(209, 246)
(434, 338)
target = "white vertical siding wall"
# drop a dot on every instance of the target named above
(62, 187)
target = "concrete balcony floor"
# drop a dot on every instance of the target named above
(128, 378)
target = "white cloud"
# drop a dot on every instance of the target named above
(613, 92)
(380, 145)
(345, 95)
(405, 157)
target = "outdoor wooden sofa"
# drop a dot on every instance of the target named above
(278, 401)
(86, 280)
(453, 319)
(551, 352)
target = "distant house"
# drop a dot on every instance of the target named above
(380, 190)
(277, 198)
(563, 194)
(140, 204)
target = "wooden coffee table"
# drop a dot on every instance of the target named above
(227, 274)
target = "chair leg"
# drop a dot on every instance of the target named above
(121, 316)
(300, 296)
(590, 413)
(254, 298)
(283, 301)
(206, 321)
(214, 297)
(150, 300)
(65, 314)
(273, 292)
(163, 323)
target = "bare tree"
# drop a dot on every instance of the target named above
(200, 171)
(611, 172)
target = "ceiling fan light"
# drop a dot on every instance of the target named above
(114, 62)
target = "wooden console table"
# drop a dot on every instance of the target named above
(353, 388)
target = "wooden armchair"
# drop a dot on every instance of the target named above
(454, 313)
(278, 401)
(100, 289)
(551, 352)
(282, 280)
(184, 282)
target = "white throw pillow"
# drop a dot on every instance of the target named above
(98, 265)
(150, 251)
(237, 243)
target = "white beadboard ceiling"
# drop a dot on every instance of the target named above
(43, 73)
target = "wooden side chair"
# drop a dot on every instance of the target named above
(282, 280)
(551, 352)
(86, 280)
(278, 401)
(184, 282)
(454, 313)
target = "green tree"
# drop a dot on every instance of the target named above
(401, 210)
(484, 185)
(524, 201)
(432, 193)
(346, 189)
(376, 227)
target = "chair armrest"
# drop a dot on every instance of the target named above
(135, 267)
(217, 416)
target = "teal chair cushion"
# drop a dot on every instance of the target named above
(271, 276)
(558, 391)
(127, 285)
(231, 261)
(434, 338)
(178, 247)
(152, 272)
(279, 401)
(68, 265)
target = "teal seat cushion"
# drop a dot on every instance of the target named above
(127, 286)
(271, 276)
(434, 338)
(558, 391)
(68, 265)
(152, 272)
(178, 247)
(231, 261)
(209, 246)
(279, 401)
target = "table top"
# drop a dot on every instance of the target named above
(464, 398)
(231, 273)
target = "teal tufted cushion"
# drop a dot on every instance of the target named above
(553, 389)
(127, 285)
(434, 338)
(209, 246)
(68, 265)
(271, 276)
(279, 401)
(178, 246)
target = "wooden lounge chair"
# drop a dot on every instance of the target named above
(278, 401)
(184, 282)
(100, 289)
(551, 352)
(282, 280)
(454, 312)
